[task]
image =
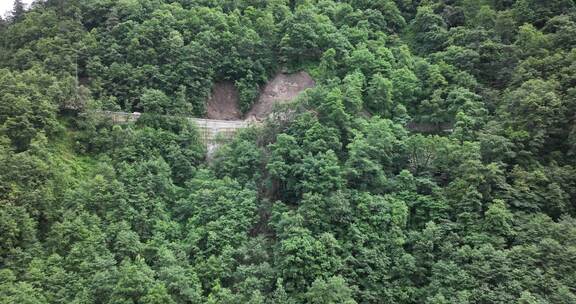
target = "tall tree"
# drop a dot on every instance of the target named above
(18, 11)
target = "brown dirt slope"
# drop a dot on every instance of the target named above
(223, 103)
(283, 88)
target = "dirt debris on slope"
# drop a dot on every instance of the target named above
(283, 88)
(223, 104)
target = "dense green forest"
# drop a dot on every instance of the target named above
(335, 201)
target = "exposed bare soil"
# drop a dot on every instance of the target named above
(283, 88)
(223, 103)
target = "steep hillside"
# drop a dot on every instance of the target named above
(280, 89)
(428, 158)
(223, 102)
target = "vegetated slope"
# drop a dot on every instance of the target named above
(336, 201)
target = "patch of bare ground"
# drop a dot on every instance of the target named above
(223, 103)
(283, 88)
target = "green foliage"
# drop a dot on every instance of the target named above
(136, 284)
(13, 291)
(405, 87)
(29, 101)
(537, 12)
(379, 96)
(428, 30)
(217, 213)
(333, 291)
(432, 163)
(307, 35)
(538, 112)
(353, 88)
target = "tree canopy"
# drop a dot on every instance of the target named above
(433, 161)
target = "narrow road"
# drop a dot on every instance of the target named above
(210, 129)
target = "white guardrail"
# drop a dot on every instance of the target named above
(210, 129)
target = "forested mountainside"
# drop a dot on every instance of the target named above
(335, 200)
